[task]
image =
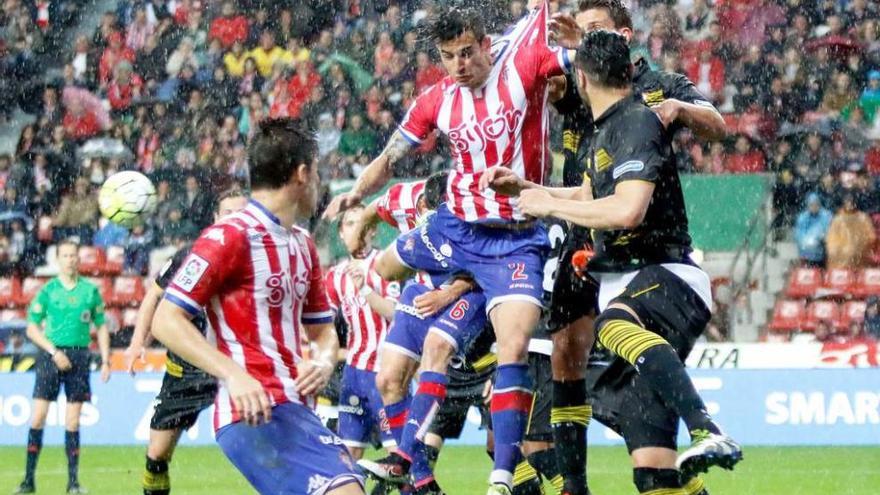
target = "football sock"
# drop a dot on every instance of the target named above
(545, 464)
(651, 481)
(433, 454)
(423, 407)
(156, 480)
(658, 364)
(34, 446)
(396, 415)
(511, 404)
(526, 480)
(569, 419)
(695, 486)
(71, 448)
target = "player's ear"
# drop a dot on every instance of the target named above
(627, 33)
(486, 43)
(301, 174)
(582, 82)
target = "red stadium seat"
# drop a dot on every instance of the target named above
(823, 311)
(128, 291)
(105, 286)
(867, 283)
(788, 315)
(10, 291)
(29, 288)
(91, 260)
(115, 260)
(853, 311)
(839, 281)
(8, 315)
(44, 229)
(803, 282)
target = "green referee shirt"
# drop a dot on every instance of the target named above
(69, 313)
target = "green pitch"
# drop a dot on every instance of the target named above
(462, 470)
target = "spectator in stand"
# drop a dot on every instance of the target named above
(869, 100)
(300, 86)
(85, 65)
(12, 202)
(745, 159)
(184, 55)
(108, 25)
(357, 139)
(137, 251)
(839, 95)
(78, 214)
(140, 29)
(27, 139)
(830, 192)
(251, 80)
(810, 231)
(267, 53)
(814, 159)
(252, 111)
(80, 123)
(696, 25)
(221, 94)
(295, 52)
(872, 318)
(147, 146)
(850, 236)
(712, 160)
(115, 52)
(328, 135)
(284, 30)
(235, 58)
(177, 227)
(230, 27)
(124, 89)
(824, 333)
(110, 234)
(383, 55)
(323, 48)
(197, 201)
(427, 73)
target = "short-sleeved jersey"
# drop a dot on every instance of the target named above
(502, 124)
(398, 206)
(630, 143)
(577, 121)
(69, 313)
(366, 327)
(258, 283)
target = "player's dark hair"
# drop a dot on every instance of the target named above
(232, 192)
(435, 190)
(278, 148)
(618, 12)
(604, 58)
(449, 23)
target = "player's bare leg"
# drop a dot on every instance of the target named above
(571, 411)
(156, 480)
(71, 445)
(514, 322)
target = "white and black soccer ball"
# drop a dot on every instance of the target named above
(127, 198)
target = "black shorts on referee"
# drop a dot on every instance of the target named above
(75, 380)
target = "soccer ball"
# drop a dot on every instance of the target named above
(127, 198)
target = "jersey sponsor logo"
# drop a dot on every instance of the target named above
(85, 316)
(278, 285)
(317, 483)
(216, 235)
(408, 309)
(330, 439)
(438, 256)
(467, 136)
(192, 271)
(628, 167)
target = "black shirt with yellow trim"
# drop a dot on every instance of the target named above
(629, 143)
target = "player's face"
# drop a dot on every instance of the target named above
(229, 206)
(348, 231)
(600, 19)
(68, 261)
(467, 60)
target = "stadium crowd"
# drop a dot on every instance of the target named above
(181, 83)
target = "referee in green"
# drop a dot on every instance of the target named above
(59, 322)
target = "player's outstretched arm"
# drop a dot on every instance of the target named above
(376, 175)
(172, 326)
(625, 209)
(141, 336)
(314, 374)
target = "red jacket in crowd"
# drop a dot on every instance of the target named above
(427, 77)
(745, 163)
(114, 52)
(229, 30)
(81, 126)
(121, 94)
(300, 88)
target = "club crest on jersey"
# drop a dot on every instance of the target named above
(192, 271)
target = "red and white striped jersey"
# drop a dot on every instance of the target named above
(258, 283)
(366, 328)
(504, 123)
(397, 207)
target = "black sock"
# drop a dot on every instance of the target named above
(665, 373)
(569, 419)
(526, 480)
(34, 446)
(71, 448)
(545, 464)
(433, 453)
(156, 480)
(651, 480)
